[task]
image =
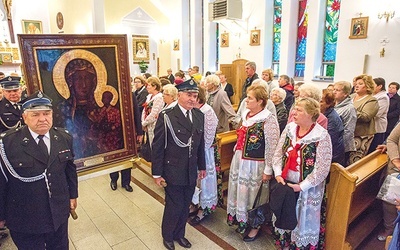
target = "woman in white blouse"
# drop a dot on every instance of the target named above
(302, 161)
(208, 185)
(258, 136)
(152, 107)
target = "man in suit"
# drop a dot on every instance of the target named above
(284, 83)
(38, 179)
(10, 110)
(126, 173)
(250, 68)
(226, 86)
(179, 132)
(170, 76)
(394, 107)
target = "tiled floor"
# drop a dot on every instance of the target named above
(121, 220)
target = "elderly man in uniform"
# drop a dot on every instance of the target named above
(10, 110)
(179, 132)
(38, 179)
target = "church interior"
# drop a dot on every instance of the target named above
(319, 42)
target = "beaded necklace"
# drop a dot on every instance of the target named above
(308, 131)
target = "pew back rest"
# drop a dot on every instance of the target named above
(226, 142)
(353, 211)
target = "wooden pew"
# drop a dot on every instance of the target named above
(353, 210)
(226, 141)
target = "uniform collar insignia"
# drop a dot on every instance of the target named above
(56, 137)
(26, 140)
(7, 105)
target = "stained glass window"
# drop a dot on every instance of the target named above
(330, 37)
(301, 39)
(277, 36)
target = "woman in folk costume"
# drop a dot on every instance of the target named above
(208, 185)
(258, 136)
(302, 161)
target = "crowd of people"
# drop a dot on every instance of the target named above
(288, 134)
(285, 134)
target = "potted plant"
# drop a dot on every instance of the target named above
(143, 67)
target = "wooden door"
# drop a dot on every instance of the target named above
(239, 76)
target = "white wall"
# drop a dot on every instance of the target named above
(253, 16)
(351, 52)
(256, 13)
(38, 11)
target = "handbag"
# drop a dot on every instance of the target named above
(196, 196)
(145, 149)
(260, 213)
(390, 189)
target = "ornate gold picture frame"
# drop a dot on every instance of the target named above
(87, 77)
(32, 27)
(255, 38)
(140, 48)
(359, 28)
(176, 44)
(225, 39)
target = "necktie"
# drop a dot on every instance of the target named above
(188, 117)
(43, 147)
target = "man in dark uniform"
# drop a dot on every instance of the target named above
(177, 160)
(38, 179)
(10, 110)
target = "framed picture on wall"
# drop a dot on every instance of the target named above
(255, 38)
(32, 27)
(359, 28)
(225, 39)
(87, 78)
(140, 48)
(176, 44)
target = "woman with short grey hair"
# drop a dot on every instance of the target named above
(312, 91)
(277, 96)
(219, 101)
(170, 96)
(345, 109)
